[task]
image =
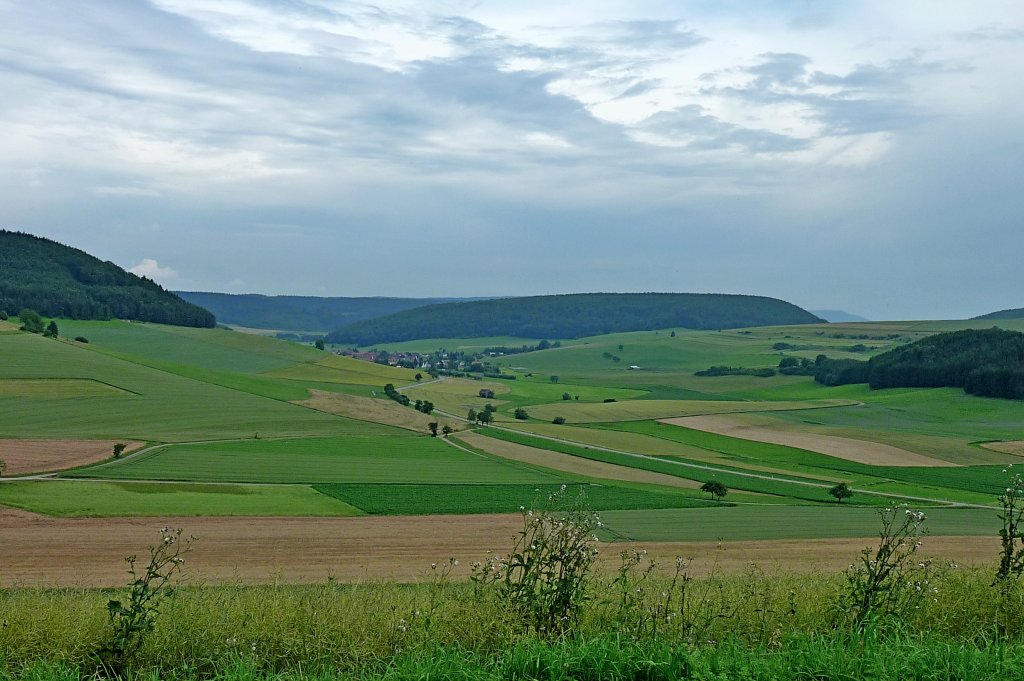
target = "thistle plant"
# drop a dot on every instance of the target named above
(545, 576)
(131, 620)
(1011, 536)
(888, 581)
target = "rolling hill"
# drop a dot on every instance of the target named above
(1015, 313)
(574, 316)
(301, 313)
(59, 281)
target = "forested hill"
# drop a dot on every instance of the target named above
(986, 362)
(1017, 313)
(574, 316)
(301, 313)
(59, 281)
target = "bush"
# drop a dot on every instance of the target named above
(609, 399)
(3, 316)
(31, 321)
(521, 414)
(558, 420)
(81, 339)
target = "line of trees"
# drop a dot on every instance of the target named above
(984, 362)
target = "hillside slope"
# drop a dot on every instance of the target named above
(301, 313)
(1015, 313)
(574, 316)
(59, 281)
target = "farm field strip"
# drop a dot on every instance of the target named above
(743, 523)
(38, 456)
(58, 388)
(417, 499)
(106, 498)
(319, 460)
(40, 551)
(786, 486)
(860, 451)
(377, 410)
(638, 410)
(979, 484)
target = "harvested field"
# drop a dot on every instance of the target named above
(39, 456)
(58, 388)
(41, 551)
(571, 464)
(1015, 447)
(861, 451)
(378, 411)
(642, 410)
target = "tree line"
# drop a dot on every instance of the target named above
(984, 362)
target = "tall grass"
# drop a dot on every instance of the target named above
(770, 622)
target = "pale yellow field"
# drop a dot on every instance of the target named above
(640, 410)
(571, 464)
(457, 395)
(861, 451)
(1015, 447)
(57, 388)
(377, 411)
(337, 369)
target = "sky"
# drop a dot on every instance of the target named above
(864, 156)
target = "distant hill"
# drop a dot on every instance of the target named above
(838, 316)
(59, 281)
(301, 313)
(986, 362)
(574, 316)
(1016, 313)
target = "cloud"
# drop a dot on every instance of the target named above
(151, 269)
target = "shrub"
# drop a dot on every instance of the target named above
(521, 414)
(1011, 536)
(3, 316)
(81, 339)
(558, 420)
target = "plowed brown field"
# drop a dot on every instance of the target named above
(37, 456)
(40, 551)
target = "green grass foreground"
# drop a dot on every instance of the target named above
(749, 626)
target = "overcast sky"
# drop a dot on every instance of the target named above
(867, 156)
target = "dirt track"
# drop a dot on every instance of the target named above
(38, 456)
(40, 551)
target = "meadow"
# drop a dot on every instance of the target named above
(277, 441)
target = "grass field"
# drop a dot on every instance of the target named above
(154, 405)
(361, 459)
(81, 499)
(780, 522)
(636, 410)
(447, 498)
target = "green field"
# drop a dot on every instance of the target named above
(212, 392)
(361, 459)
(82, 498)
(741, 523)
(451, 498)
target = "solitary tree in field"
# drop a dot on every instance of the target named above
(319, 344)
(554, 379)
(472, 416)
(433, 428)
(119, 449)
(716, 489)
(841, 491)
(3, 466)
(419, 377)
(521, 414)
(51, 330)
(447, 430)
(566, 396)
(558, 420)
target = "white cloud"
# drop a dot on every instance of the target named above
(150, 268)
